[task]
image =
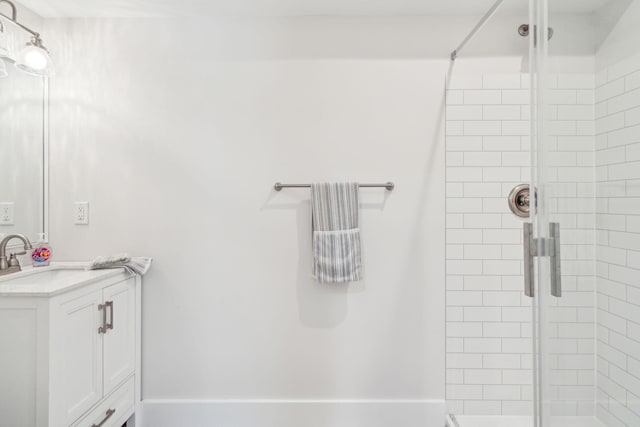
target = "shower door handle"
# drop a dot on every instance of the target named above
(554, 259)
(538, 248)
(529, 250)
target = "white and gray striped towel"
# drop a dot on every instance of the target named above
(139, 265)
(337, 254)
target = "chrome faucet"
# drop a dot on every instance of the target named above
(12, 265)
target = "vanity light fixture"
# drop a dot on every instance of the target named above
(34, 57)
(3, 42)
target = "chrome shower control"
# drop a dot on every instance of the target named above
(519, 200)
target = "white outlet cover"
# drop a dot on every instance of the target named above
(6, 213)
(81, 213)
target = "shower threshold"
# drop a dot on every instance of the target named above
(517, 421)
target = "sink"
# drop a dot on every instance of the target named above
(39, 276)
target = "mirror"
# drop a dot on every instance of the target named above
(22, 144)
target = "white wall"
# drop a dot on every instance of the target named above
(177, 151)
(618, 231)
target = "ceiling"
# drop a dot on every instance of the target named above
(128, 8)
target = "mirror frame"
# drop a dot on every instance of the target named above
(44, 223)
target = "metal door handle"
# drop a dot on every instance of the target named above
(109, 305)
(538, 248)
(529, 249)
(103, 329)
(554, 261)
(108, 415)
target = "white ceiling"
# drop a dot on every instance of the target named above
(126, 8)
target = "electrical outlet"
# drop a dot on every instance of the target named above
(6, 213)
(81, 213)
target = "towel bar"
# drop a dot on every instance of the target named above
(279, 186)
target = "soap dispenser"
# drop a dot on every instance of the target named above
(41, 254)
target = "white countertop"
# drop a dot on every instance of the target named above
(79, 277)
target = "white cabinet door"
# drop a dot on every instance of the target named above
(76, 356)
(119, 340)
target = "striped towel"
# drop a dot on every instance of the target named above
(139, 265)
(336, 236)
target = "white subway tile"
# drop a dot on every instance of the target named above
(482, 127)
(482, 376)
(464, 143)
(501, 361)
(462, 236)
(482, 283)
(460, 391)
(504, 267)
(454, 97)
(483, 407)
(482, 97)
(609, 90)
(500, 174)
(464, 360)
(501, 143)
(482, 221)
(626, 136)
(464, 329)
(632, 81)
(516, 127)
(624, 379)
(483, 159)
(500, 330)
(517, 376)
(464, 298)
(483, 252)
(501, 392)
(576, 81)
(575, 112)
(515, 97)
(482, 314)
(463, 204)
(501, 112)
(464, 174)
(464, 112)
(500, 298)
(625, 101)
(455, 376)
(454, 314)
(455, 345)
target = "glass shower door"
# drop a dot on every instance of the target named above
(560, 238)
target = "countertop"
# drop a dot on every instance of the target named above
(79, 277)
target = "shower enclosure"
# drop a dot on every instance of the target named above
(543, 312)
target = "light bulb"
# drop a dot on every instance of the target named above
(34, 59)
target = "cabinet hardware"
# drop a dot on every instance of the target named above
(106, 326)
(108, 415)
(109, 304)
(103, 329)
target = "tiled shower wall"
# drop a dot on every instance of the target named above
(618, 239)
(488, 317)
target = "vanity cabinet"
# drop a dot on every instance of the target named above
(76, 355)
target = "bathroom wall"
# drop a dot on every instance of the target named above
(618, 223)
(489, 367)
(175, 131)
(177, 149)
